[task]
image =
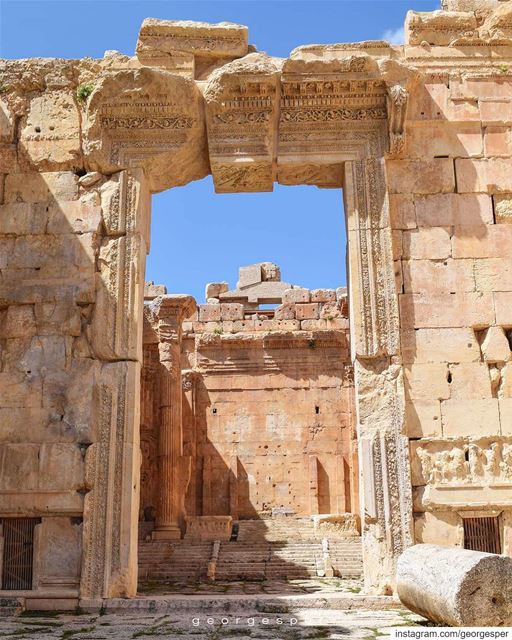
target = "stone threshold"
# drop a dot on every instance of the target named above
(264, 602)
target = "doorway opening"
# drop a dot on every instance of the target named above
(267, 420)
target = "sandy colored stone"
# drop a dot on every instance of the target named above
(456, 587)
(495, 346)
(423, 419)
(460, 210)
(440, 345)
(490, 175)
(438, 276)
(438, 27)
(174, 130)
(183, 45)
(446, 310)
(421, 177)
(503, 209)
(433, 243)
(50, 137)
(470, 380)
(442, 528)
(296, 295)
(426, 382)
(503, 306)
(484, 417)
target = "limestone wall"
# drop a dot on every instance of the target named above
(450, 205)
(268, 410)
(68, 355)
(417, 135)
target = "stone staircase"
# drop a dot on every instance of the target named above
(283, 548)
(179, 561)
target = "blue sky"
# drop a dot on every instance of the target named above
(198, 236)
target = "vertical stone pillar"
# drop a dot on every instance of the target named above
(189, 379)
(385, 489)
(174, 469)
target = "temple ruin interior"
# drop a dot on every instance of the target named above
(268, 434)
(269, 430)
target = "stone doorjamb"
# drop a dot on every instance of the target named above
(347, 136)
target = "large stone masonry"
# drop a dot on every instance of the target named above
(268, 420)
(418, 137)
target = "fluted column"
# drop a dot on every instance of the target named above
(168, 313)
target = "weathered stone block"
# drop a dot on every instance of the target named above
(442, 527)
(505, 405)
(73, 217)
(402, 211)
(447, 209)
(40, 187)
(18, 321)
(51, 134)
(497, 141)
(22, 218)
(438, 277)
(323, 295)
(330, 310)
(313, 325)
(503, 305)
(495, 346)
(493, 274)
(495, 242)
(470, 380)
(489, 175)
(484, 417)
(422, 419)
(426, 382)
(296, 295)
(209, 313)
(433, 243)
(59, 553)
(420, 176)
(214, 289)
(231, 311)
(503, 208)
(496, 111)
(309, 311)
(285, 312)
(446, 310)
(440, 345)
(430, 138)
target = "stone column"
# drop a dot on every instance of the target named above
(173, 468)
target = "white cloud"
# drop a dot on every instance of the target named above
(394, 36)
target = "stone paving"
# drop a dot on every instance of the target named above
(303, 624)
(243, 616)
(306, 585)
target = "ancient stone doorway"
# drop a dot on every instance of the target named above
(268, 413)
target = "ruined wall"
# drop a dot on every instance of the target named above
(268, 409)
(450, 204)
(418, 136)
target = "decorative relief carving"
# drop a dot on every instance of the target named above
(374, 298)
(473, 463)
(147, 118)
(397, 108)
(242, 101)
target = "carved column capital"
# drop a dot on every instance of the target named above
(166, 315)
(188, 379)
